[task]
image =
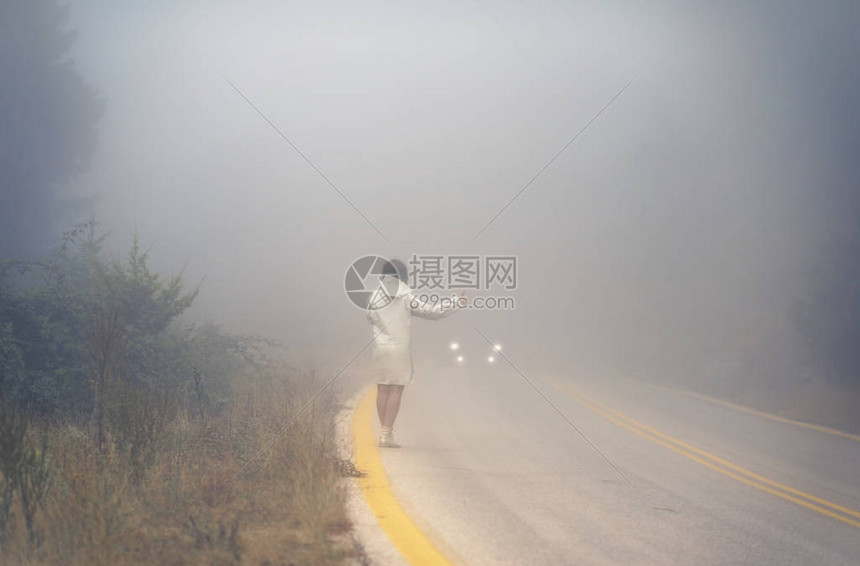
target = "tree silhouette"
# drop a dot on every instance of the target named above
(48, 116)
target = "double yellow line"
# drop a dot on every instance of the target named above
(713, 462)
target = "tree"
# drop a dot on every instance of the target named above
(47, 122)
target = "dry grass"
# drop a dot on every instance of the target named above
(287, 508)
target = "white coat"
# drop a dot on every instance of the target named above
(392, 347)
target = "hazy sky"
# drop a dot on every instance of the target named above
(680, 221)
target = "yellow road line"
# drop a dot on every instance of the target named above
(413, 544)
(714, 462)
(743, 409)
(719, 460)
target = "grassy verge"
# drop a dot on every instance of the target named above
(94, 506)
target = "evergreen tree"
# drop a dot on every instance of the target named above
(47, 122)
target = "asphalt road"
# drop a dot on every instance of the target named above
(493, 475)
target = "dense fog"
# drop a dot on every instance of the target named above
(702, 228)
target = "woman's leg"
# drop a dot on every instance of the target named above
(392, 405)
(382, 392)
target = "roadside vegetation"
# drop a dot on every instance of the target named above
(121, 428)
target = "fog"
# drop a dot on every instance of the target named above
(673, 237)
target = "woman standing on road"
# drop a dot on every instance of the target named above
(390, 313)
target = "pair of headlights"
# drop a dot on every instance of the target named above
(490, 359)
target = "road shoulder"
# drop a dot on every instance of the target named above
(376, 547)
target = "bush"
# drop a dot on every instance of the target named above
(118, 417)
(74, 326)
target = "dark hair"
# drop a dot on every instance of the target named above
(395, 267)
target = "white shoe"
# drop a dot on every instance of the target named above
(387, 442)
(386, 438)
